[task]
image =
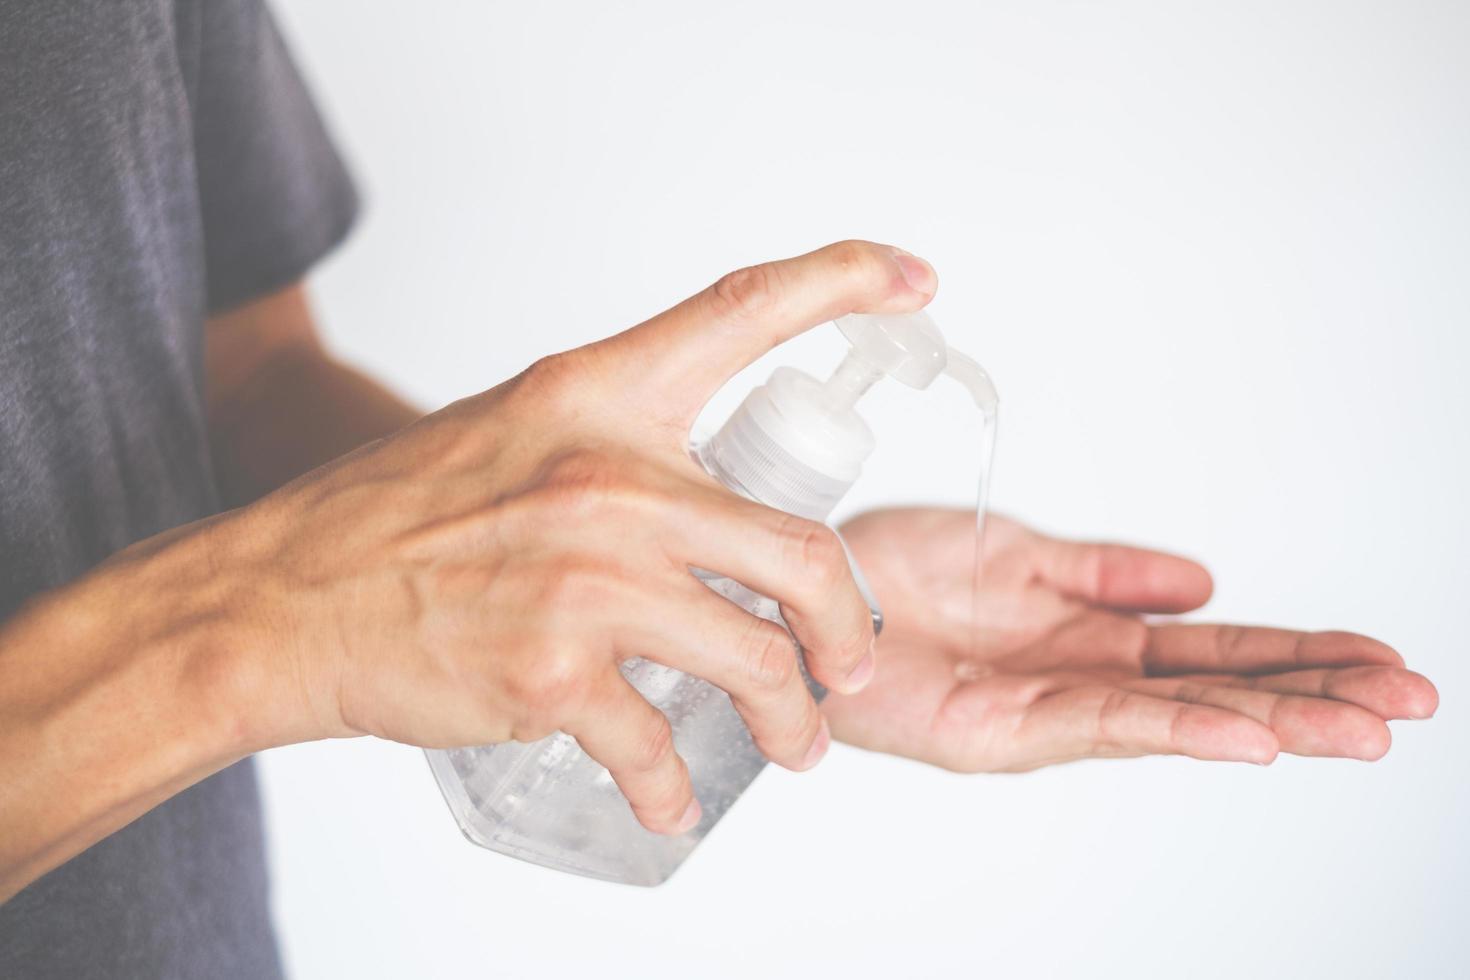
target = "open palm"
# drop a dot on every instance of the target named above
(1054, 661)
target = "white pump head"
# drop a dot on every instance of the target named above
(797, 444)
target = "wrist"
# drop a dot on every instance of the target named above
(185, 607)
(119, 690)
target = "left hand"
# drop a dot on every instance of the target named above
(1055, 663)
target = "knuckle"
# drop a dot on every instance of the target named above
(552, 372)
(555, 388)
(590, 482)
(661, 809)
(546, 383)
(770, 663)
(816, 551)
(547, 688)
(862, 262)
(803, 730)
(747, 293)
(578, 466)
(1105, 725)
(580, 482)
(787, 738)
(654, 747)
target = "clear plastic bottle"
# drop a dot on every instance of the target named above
(795, 444)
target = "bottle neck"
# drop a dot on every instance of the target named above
(758, 469)
(788, 448)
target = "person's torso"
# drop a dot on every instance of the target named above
(103, 441)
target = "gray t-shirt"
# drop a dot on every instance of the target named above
(159, 159)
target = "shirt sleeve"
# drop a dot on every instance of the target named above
(274, 194)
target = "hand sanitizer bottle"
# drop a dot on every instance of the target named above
(796, 444)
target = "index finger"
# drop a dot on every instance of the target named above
(688, 352)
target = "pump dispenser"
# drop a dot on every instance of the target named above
(796, 444)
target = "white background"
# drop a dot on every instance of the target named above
(1217, 258)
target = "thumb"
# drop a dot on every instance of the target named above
(688, 352)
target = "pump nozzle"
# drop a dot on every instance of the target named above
(796, 443)
(968, 372)
(909, 348)
(905, 346)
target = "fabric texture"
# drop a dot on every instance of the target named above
(159, 160)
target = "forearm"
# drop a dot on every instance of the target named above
(109, 705)
(325, 611)
(280, 404)
(138, 680)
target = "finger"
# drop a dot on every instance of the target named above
(799, 563)
(1388, 692)
(687, 352)
(1106, 721)
(1178, 648)
(754, 660)
(633, 740)
(1123, 577)
(1310, 726)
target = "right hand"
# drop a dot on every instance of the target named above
(480, 576)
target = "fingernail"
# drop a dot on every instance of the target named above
(919, 275)
(819, 746)
(691, 816)
(859, 676)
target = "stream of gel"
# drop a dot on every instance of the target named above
(969, 373)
